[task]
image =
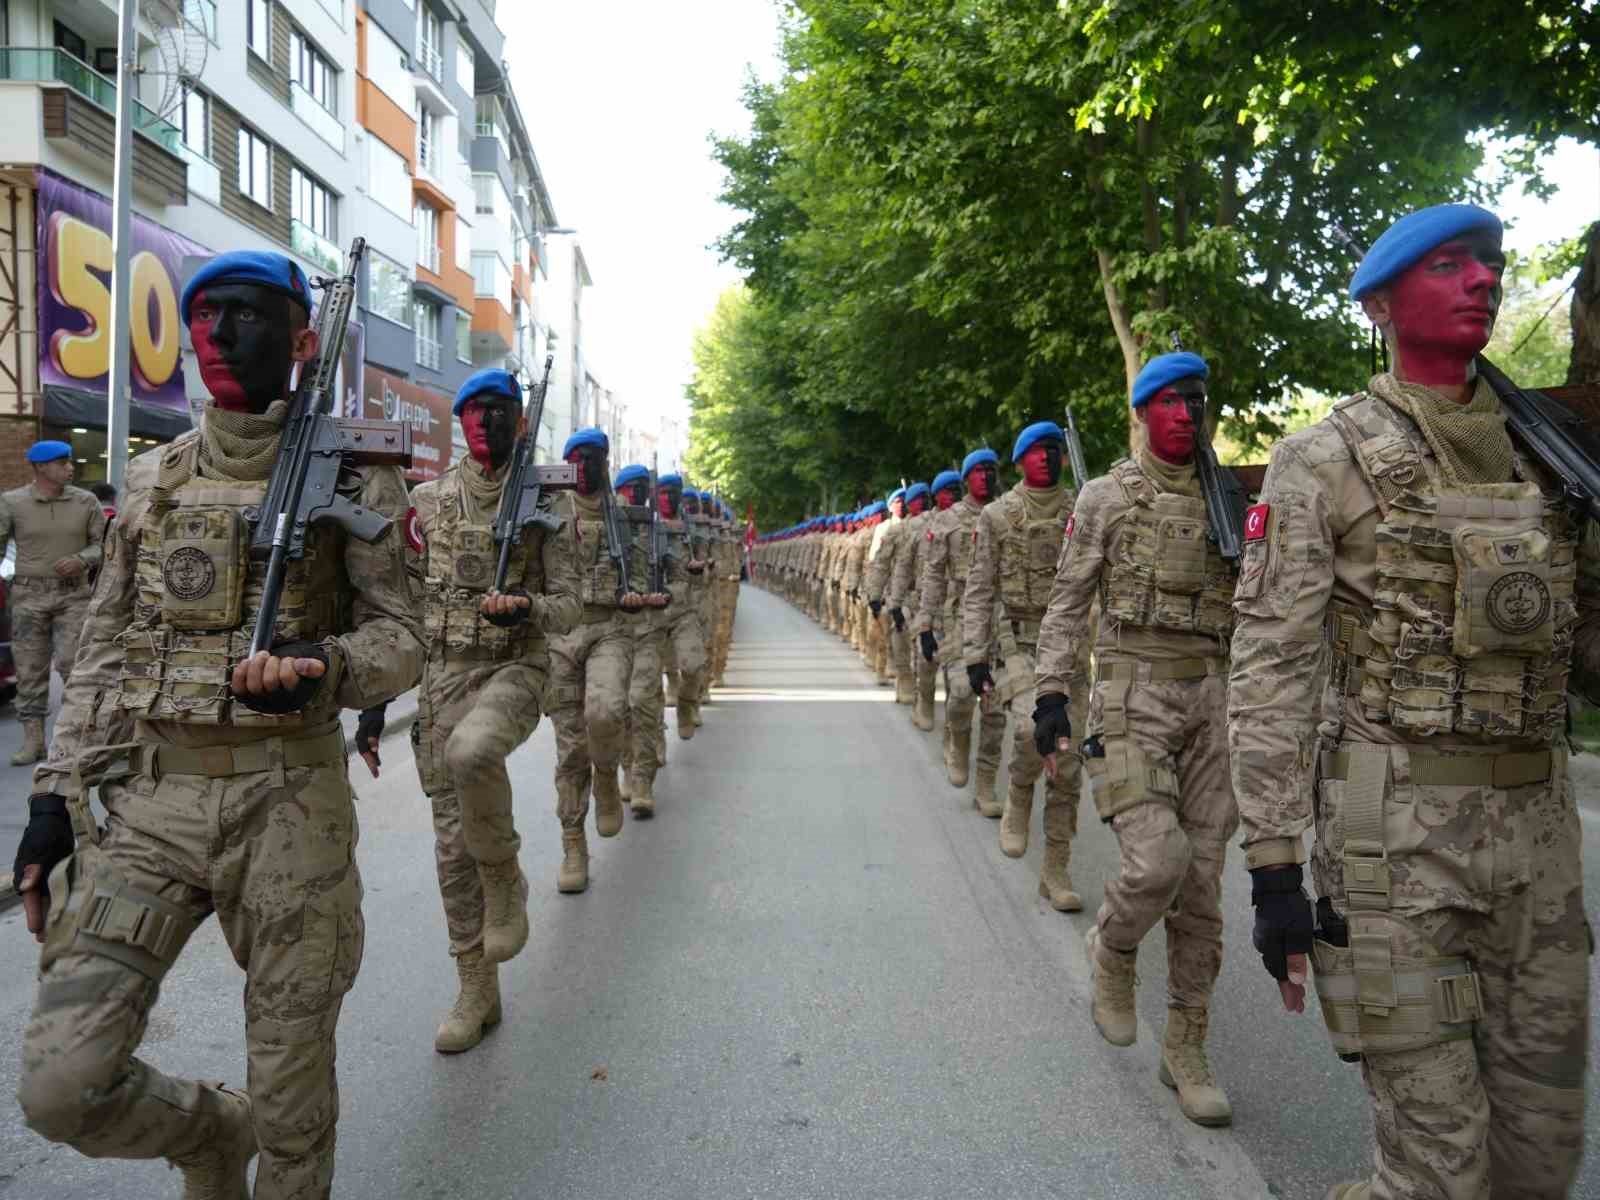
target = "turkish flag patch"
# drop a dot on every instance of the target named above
(1255, 522)
(930, 535)
(414, 531)
(1072, 523)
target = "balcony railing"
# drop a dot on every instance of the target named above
(37, 64)
(323, 123)
(428, 352)
(312, 246)
(205, 178)
(430, 60)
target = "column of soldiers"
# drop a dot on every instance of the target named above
(1386, 664)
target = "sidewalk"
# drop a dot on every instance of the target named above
(17, 782)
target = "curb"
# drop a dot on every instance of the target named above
(403, 714)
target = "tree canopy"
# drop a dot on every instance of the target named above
(958, 216)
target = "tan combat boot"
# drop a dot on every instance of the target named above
(477, 1006)
(625, 779)
(505, 910)
(905, 689)
(661, 743)
(642, 791)
(670, 697)
(220, 1170)
(1184, 1066)
(573, 874)
(958, 756)
(984, 798)
(607, 803)
(1055, 882)
(922, 712)
(1359, 1190)
(1015, 820)
(33, 748)
(1114, 980)
(688, 719)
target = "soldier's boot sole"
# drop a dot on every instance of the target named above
(607, 803)
(1114, 986)
(904, 691)
(688, 721)
(505, 910)
(984, 797)
(1014, 822)
(221, 1170)
(573, 874)
(644, 796)
(1202, 1109)
(477, 1007)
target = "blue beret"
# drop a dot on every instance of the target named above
(632, 473)
(898, 494)
(915, 490)
(877, 508)
(673, 480)
(260, 267)
(976, 459)
(586, 437)
(490, 379)
(1037, 432)
(1164, 369)
(43, 452)
(945, 479)
(1412, 236)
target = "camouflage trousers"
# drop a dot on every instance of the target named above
(591, 670)
(900, 643)
(727, 606)
(643, 723)
(683, 654)
(1061, 793)
(1493, 875)
(1173, 834)
(46, 620)
(470, 717)
(271, 853)
(959, 704)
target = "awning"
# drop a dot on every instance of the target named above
(72, 406)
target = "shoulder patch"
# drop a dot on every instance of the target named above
(1072, 523)
(1255, 522)
(414, 531)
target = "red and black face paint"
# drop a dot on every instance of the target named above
(637, 492)
(946, 496)
(1168, 426)
(1442, 309)
(667, 499)
(982, 482)
(591, 463)
(1041, 465)
(244, 343)
(489, 422)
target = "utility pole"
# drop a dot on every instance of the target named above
(121, 249)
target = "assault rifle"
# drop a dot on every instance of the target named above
(1080, 469)
(316, 447)
(1224, 494)
(521, 497)
(660, 547)
(617, 534)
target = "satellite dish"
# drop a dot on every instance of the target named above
(182, 39)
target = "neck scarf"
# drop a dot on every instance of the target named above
(1470, 440)
(1179, 479)
(240, 447)
(481, 490)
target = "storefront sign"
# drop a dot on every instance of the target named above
(390, 398)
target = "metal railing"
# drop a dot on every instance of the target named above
(205, 177)
(39, 64)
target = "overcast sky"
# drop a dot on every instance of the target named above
(620, 95)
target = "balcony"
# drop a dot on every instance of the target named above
(205, 177)
(314, 248)
(429, 256)
(34, 64)
(323, 123)
(430, 60)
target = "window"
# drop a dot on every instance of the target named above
(463, 337)
(430, 39)
(492, 278)
(312, 71)
(387, 68)
(428, 334)
(463, 244)
(71, 41)
(466, 65)
(196, 117)
(258, 27)
(389, 289)
(483, 193)
(388, 181)
(426, 219)
(311, 203)
(428, 140)
(255, 166)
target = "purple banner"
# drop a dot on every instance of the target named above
(74, 270)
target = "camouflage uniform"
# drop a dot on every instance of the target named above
(1436, 624)
(896, 653)
(246, 815)
(1016, 541)
(856, 613)
(483, 685)
(946, 566)
(46, 611)
(725, 556)
(903, 593)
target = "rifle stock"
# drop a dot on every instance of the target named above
(1562, 441)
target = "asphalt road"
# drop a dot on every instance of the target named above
(813, 974)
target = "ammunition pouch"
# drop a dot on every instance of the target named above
(93, 910)
(1123, 776)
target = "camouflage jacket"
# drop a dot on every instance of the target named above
(902, 590)
(1016, 543)
(949, 537)
(886, 542)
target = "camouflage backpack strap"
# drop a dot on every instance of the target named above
(1134, 484)
(1389, 460)
(179, 463)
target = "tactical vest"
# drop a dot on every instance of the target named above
(197, 594)
(462, 559)
(1169, 575)
(1471, 626)
(1028, 554)
(597, 570)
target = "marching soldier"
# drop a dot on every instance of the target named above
(901, 594)
(684, 653)
(239, 803)
(944, 584)
(725, 559)
(482, 691)
(1157, 742)
(874, 579)
(1419, 574)
(58, 530)
(1016, 541)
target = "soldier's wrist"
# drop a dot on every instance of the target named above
(1274, 852)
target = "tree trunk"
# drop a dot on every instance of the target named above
(1584, 367)
(1122, 323)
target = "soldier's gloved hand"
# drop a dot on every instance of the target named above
(282, 680)
(929, 646)
(978, 676)
(876, 606)
(46, 840)
(1052, 728)
(1283, 929)
(506, 609)
(899, 615)
(369, 731)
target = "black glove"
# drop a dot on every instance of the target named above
(1283, 917)
(288, 700)
(46, 840)
(513, 618)
(1050, 722)
(899, 615)
(876, 606)
(980, 679)
(369, 728)
(929, 646)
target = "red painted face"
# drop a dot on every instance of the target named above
(1167, 424)
(243, 344)
(1041, 465)
(944, 498)
(981, 482)
(669, 510)
(489, 424)
(920, 504)
(1442, 309)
